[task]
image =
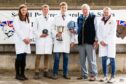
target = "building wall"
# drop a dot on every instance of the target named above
(7, 61)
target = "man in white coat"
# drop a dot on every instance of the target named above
(43, 35)
(62, 41)
(107, 42)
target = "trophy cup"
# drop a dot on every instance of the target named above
(72, 26)
(60, 30)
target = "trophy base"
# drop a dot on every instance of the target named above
(59, 39)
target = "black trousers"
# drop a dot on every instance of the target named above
(20, 63)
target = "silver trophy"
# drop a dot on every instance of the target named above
(60, 30)
(72, 26)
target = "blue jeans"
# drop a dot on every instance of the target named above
(105, 68)
(56, 63)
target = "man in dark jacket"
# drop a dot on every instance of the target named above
(87, 42)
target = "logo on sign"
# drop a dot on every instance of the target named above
(7, 28)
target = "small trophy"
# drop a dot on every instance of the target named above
(45, 31)
(72, 26)
(60, 30)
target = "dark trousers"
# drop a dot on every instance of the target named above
(56, 63)
(104, 66)
(20, 63)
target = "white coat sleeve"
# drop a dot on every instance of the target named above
(96, 28)
(110, 37)
(51, 30)
(18, 29)
(74, 38)
(35, 29)
(31, 32)
(54, 32)
(99, 33)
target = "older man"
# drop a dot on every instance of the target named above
(87, 42)
(107, 42)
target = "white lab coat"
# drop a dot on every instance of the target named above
(43, 45)
(107, 33)
(62, 46)
(22, 30)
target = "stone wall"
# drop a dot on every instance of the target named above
(7, 61)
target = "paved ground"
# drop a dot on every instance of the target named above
(7, 77)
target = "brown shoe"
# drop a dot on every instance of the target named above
(46, 74)
(36, 75)
(92, 78)
(82, 77)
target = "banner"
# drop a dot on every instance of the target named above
(7, 16)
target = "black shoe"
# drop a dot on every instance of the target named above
(66, 77)
(36, 76)
(18, 77)
(55, 77)
(24, 77)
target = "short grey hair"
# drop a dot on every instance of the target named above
(107, 8)
(85, 6)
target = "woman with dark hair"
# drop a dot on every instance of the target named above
(22, 41)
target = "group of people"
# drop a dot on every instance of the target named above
(53, 35)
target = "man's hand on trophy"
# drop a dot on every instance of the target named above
(58, 34)
(43, 35)
(26, 41)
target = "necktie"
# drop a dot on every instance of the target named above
(63, 16)
(84, 19)
(46, 18)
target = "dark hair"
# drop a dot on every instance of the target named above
(20, 15)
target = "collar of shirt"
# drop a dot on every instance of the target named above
(65, 14)
(46, 16)
(105, 19)
(85, 17)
